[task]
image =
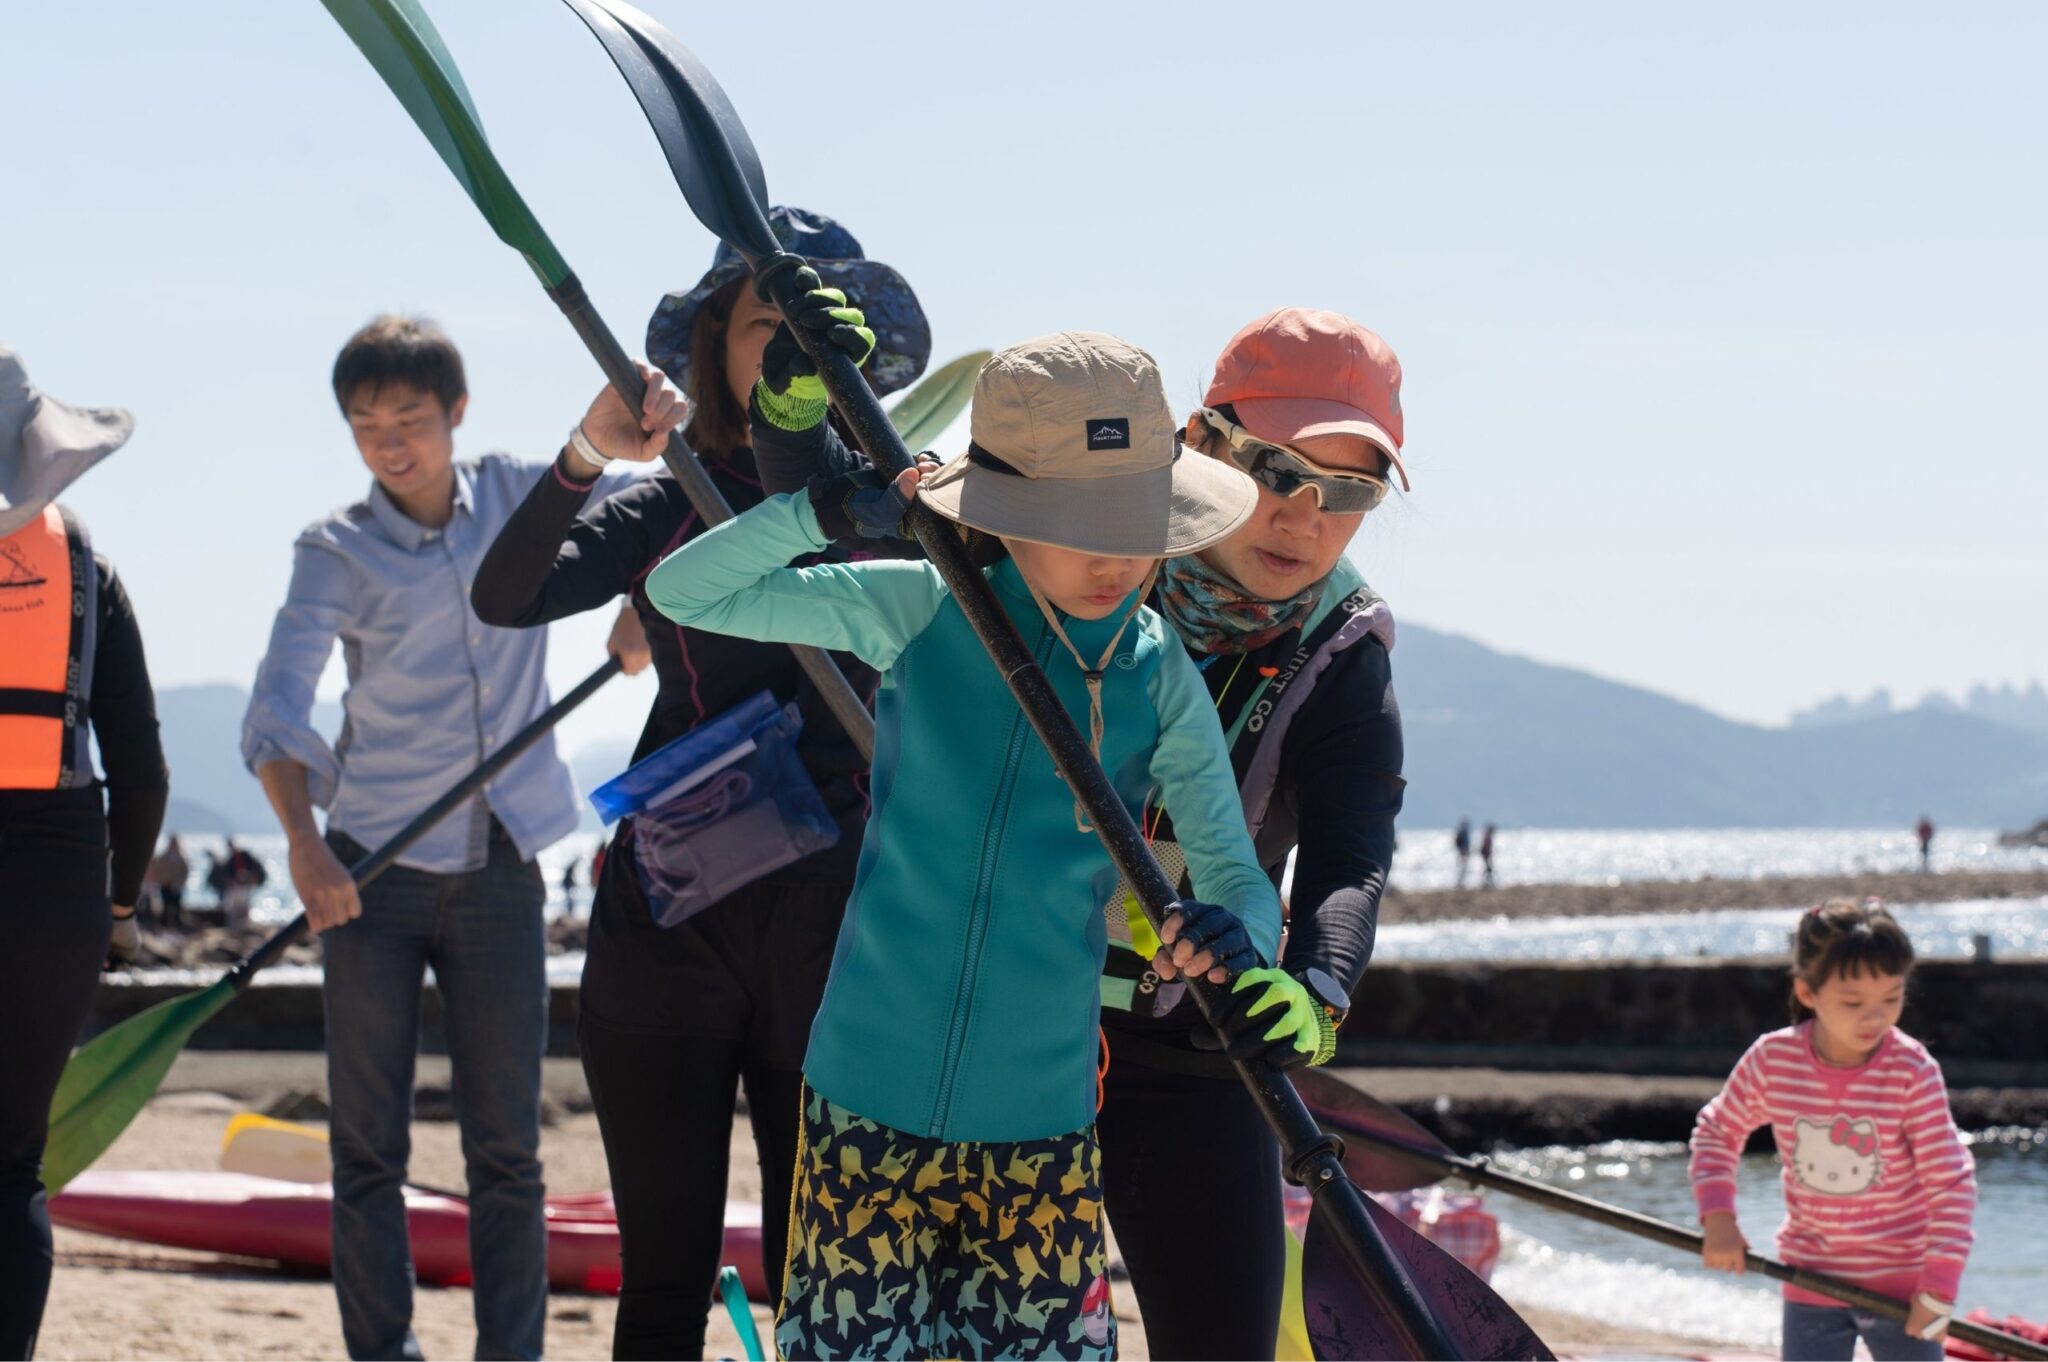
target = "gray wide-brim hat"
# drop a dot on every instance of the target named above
(903, 337)
(1073, 444)
(46, 444)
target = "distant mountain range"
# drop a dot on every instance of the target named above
(1505, 739)
(1489, 735)
(2014, 706)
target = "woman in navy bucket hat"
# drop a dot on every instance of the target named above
(903, 338)
(672, 1020)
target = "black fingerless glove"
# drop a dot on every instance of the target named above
(858, 505)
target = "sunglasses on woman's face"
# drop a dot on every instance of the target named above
(1286, 473)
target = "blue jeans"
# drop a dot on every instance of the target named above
(1827, 1333)
(481, 931)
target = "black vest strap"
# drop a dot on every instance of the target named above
(33, 704)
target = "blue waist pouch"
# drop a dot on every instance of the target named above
(718, 808)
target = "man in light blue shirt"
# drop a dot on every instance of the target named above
(432, 692)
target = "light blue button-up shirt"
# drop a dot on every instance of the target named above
(432, 690)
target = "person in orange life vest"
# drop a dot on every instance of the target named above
(72, 846)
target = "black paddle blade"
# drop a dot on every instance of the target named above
(1342, 1322)
(700, 132)
(1342, 1109)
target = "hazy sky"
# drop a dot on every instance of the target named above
(1723, 326)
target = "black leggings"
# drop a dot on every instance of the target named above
(665, 1107)
(1191, 1177)
(53, 916)
(671, 1022)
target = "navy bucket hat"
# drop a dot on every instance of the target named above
(903, 338)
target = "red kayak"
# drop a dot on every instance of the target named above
(287, 1222)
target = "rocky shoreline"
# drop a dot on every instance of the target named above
(1678, 896)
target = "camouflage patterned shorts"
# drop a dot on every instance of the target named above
(902, 1246)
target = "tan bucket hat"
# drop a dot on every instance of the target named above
(1072, 444)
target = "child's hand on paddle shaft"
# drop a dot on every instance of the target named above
(857, 504)
(1725, 1245)
(1204, 938)
(618, 434)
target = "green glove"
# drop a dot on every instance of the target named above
(1280, 1023)
(790, 394)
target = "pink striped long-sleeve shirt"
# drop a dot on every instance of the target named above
(1879, 1187)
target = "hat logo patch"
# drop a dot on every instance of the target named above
(1109, 432)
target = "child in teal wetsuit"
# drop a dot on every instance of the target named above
(948, 1195)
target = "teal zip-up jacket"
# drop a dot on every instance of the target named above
(962, 1003)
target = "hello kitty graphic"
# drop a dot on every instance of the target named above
(1836, 1158)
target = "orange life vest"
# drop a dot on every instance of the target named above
(49, 619)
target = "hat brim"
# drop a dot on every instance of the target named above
(903, 335)
(58, 444)
(1191, 504)
(1283, 420)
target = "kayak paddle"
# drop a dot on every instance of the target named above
(114, 1074)
(1393, 1153)
(402, 44)
(922, 414)
(1410, 1301)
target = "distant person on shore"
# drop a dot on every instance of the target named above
(235, 876)
(433, 691)
(73, 848)
(1486, 856)
(1461, 841)
(165, 883)
(1924, 830)
(1879, 1187)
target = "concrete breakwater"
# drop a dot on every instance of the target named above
(1987, 1023)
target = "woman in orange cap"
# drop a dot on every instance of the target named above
(1294, 647)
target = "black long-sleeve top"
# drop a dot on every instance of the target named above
(555, 558)
(122, 705)
(1339, 787)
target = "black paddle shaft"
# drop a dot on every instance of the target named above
(1649, 1227)
(380, 860)
(1311, 1157)
(624, 376)
(1482, 1174)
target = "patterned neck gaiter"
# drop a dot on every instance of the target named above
(1213, 614)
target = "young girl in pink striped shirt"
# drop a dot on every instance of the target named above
(1879, 1187)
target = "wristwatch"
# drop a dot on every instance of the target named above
(1333, 1004)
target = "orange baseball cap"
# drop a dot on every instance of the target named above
(1301, 372)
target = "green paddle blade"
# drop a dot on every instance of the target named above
(401, 43)
(115, 1074)
(922, 414)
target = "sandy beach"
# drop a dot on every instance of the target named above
(1676, 896)
(115, 1299)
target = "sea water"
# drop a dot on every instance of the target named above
(2011, 928)
(1563, 1262)
(1426, 859)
